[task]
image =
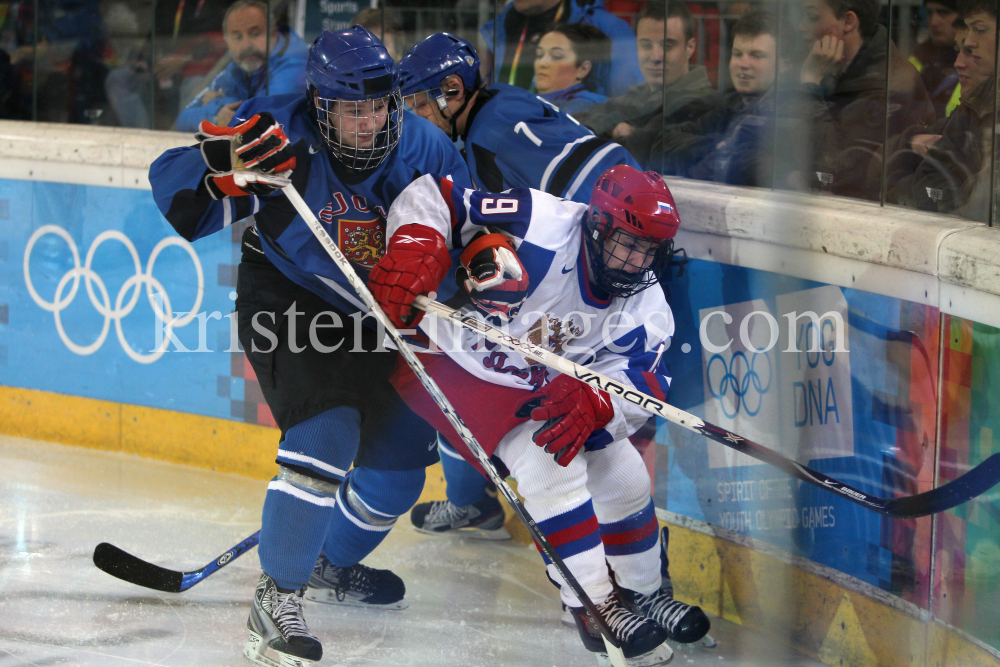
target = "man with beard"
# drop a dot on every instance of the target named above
(262, 64)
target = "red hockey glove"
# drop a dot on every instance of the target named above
(493, 276)
(572, 410)
(258, 144)
(413, 264)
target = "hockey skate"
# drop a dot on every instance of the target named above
(276, 624)
(355, 586)
(642, 640)
(482, 520)
(684, 623)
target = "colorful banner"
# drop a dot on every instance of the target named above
(100, 298)
(840, 380)
(967, 548)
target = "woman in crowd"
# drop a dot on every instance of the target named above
(567, 61)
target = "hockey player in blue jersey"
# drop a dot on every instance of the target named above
(512, 137)
(318, 358)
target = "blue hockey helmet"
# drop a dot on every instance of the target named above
(354, 84)
(438, 56)
(423, 68)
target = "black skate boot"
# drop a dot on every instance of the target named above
(481, 520)
(684, 624)
(641, 639)
(276, 623)
(355, 586)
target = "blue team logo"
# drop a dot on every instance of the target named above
(739, 383)
(362, 241)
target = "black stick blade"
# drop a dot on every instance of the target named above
(960, 490)
(125, 566)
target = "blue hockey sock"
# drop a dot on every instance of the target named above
(291, 536)
(368, 504)
(300, 501)
(465, 484)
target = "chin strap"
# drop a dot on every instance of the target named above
(453, 118)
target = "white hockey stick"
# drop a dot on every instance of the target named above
(611, 643)
(975, 482)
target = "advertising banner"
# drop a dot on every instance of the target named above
(100, 298)
(840, 380)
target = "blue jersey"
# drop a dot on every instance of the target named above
(351, 209)
(518, 140)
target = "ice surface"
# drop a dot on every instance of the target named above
(472, 603)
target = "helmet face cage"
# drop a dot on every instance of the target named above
(621, 263)
(430, 104)
(360, 134)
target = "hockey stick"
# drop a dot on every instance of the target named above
(611, 642)
(977, 481)
(125, 566)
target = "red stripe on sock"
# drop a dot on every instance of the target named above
(634, 535)
(574, 533)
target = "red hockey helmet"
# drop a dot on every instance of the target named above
(630, 226)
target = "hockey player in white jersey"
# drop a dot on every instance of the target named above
(571, 278)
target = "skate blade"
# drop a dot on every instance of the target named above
(471, 533)
(660, 655)
(254, 649)
(328, 596)
(708, 642)
(567, 620)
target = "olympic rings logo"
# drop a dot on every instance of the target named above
(741, 380)
(103, 306)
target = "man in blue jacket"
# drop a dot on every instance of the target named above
(252, 73)
(523, 22)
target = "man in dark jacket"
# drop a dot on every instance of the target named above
(635, 119)
(846, 70)
(954, 175)
(734, 142)
(935, 58)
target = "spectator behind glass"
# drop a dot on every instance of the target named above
(523, 22)
(846, 69)
(566, 64)
(954, 175)
(636, 118)
(734, 142)
(371, 19)
(935, 58)
(252, 72)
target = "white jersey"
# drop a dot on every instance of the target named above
(620, 338)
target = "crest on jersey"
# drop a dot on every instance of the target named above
(553, 334)
(362, 241)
